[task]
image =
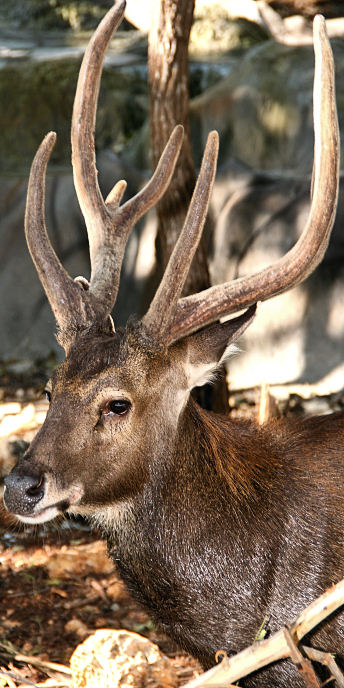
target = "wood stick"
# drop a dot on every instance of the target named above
(36, 661)
(328, 660)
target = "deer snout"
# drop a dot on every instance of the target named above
(32, 494)
(24, 488)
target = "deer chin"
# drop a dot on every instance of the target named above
(48, 508)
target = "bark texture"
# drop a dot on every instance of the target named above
(169, 105)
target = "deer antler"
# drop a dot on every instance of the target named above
(163, 306)
(70, 307)
(108, 225)
(198, 310)
(76, 306)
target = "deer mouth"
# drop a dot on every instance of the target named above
(48, 513)
(40, 503)
(42, 516)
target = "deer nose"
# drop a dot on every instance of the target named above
(23, 491)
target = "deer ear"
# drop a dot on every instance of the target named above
(211, 346)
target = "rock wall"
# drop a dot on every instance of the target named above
(263, 107)
(298, 336)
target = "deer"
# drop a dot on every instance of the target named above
(213, 523)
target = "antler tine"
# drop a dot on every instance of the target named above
(198, 310)
(165, 300)
(108, 247)
(64, 295)
(108, 225)
(151, 193)
(83, 123)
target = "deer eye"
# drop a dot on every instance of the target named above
(47, 395)
(117, 407)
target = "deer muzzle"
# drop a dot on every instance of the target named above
(31, 495)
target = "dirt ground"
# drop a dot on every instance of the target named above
(57, 584)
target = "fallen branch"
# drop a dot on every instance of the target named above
(43, 664)
(16, 680)
(276, 647)
(12, 676)
(59, 674)
(328, 660)
(34, 660)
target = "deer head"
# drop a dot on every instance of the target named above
(118, 398)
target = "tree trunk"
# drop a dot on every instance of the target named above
(169, 105)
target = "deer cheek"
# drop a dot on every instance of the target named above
(118, 480)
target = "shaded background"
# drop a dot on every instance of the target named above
(255, 88)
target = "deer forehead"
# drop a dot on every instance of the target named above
(117, 364)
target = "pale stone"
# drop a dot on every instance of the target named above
(119, 658)
(77, 627)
